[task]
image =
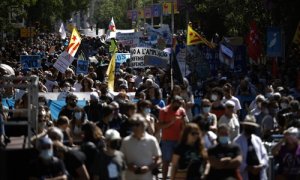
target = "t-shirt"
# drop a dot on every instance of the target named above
(53, 168)
(190, 159)
(233, 124)
(220, 151)
(289, 162)
(109, 167)
(236, 101)
(73, 159)
(172, 132)
(66, 112)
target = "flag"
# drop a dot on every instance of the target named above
(75, 41)
(253, 43)
(167, 8)
(141, 13)
(194, 38)
(112, 26)
(111, 73)
(296, 39)
(62, 31)
(113, 46)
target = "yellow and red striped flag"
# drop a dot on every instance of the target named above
(194, 38)
(74, 44)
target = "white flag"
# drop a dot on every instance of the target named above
(62, 31)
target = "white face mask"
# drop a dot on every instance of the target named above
(284, 105)
(77, 115)
(214, 97)
(206, 110)
(46, 154)
(41, 103)
(147, 111)
(77, 130)
(66, 89)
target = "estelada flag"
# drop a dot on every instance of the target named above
(194, 38)
(75, 41)
(296, 39)
(112, 26)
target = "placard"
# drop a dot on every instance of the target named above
(129, 39)
(30, 61)
(63, 62)
(138, 54)
(82, 67)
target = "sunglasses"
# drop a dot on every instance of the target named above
(194, 133)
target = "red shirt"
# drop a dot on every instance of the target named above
(166, 115)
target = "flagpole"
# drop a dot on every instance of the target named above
(172, 55)
(152, 23)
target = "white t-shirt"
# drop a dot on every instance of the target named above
(141, 153)
(233, 124)
(236, 102)
(209, 138)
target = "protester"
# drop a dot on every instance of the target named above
(190, 155)
(224, 158)
(78, 120)
(231, 119)
(255, 157)
(141, 151)
(172, 120)
(209, 137)
(227, 91)
(71, 104)
(207, 115)
(287, 153)
(47, 165)
(217, 107)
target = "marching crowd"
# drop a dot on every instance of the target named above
(162, 130)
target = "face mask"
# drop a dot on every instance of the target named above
(224, 139)
(259, 105)
(41, 103)
(283, 105)
(77, 115)
(46, 154)
(214, 97)
(147, 111)
(267, 95)
(77, 130)
(67, 89)
(206, 110)
(55, 90)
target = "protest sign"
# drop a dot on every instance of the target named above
(156, 62)
(121, 58)
(63, 62)
(129, 39)
(181, 59)
(148, 12)
(156, 10)
(82, 67)
(30, 61)
(138, 54)
(161, 33)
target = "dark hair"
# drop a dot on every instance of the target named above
(127, 107)
(218, 91)
(184, 137)
(62, 120)
(70, 96)
(142, 104)
(91, 132)
(107, 110)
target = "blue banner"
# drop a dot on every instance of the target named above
(156, 10)
(82, 66)
(30, 61)
(121, 58)
(274, 42)
(156, 62)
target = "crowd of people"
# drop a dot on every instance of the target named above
(160, 130)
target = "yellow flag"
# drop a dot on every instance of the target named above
(167, 8)
(111, 73)
(296, 39)
(75, 41)
(194, 38)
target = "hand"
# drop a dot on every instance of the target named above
(225, 159)
(144, 169)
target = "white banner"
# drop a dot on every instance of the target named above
(129, 39)
(63, 62)
(138, 56)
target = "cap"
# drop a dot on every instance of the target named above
(292, 131)
(229, 103)
(112, 134)
(94, 96)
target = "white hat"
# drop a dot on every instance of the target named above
(292, 131)
(229, 103)
(112, 134)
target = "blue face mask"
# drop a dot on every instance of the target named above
(206, 110)
(224, 140)
(147, 110)
(46, 154)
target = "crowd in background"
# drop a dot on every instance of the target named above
(115, 137)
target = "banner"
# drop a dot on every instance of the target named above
(156, 62)
(161, 34)
(167, 8)
(181, 59)
(138, 55)
(129, 39)
(134, 15)
(274, 42)
(148, 12)
(156, 10)
(63, 62)
(121, 58)
(27, 32)
(141, 13)
(30, 61)
(82, 67)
